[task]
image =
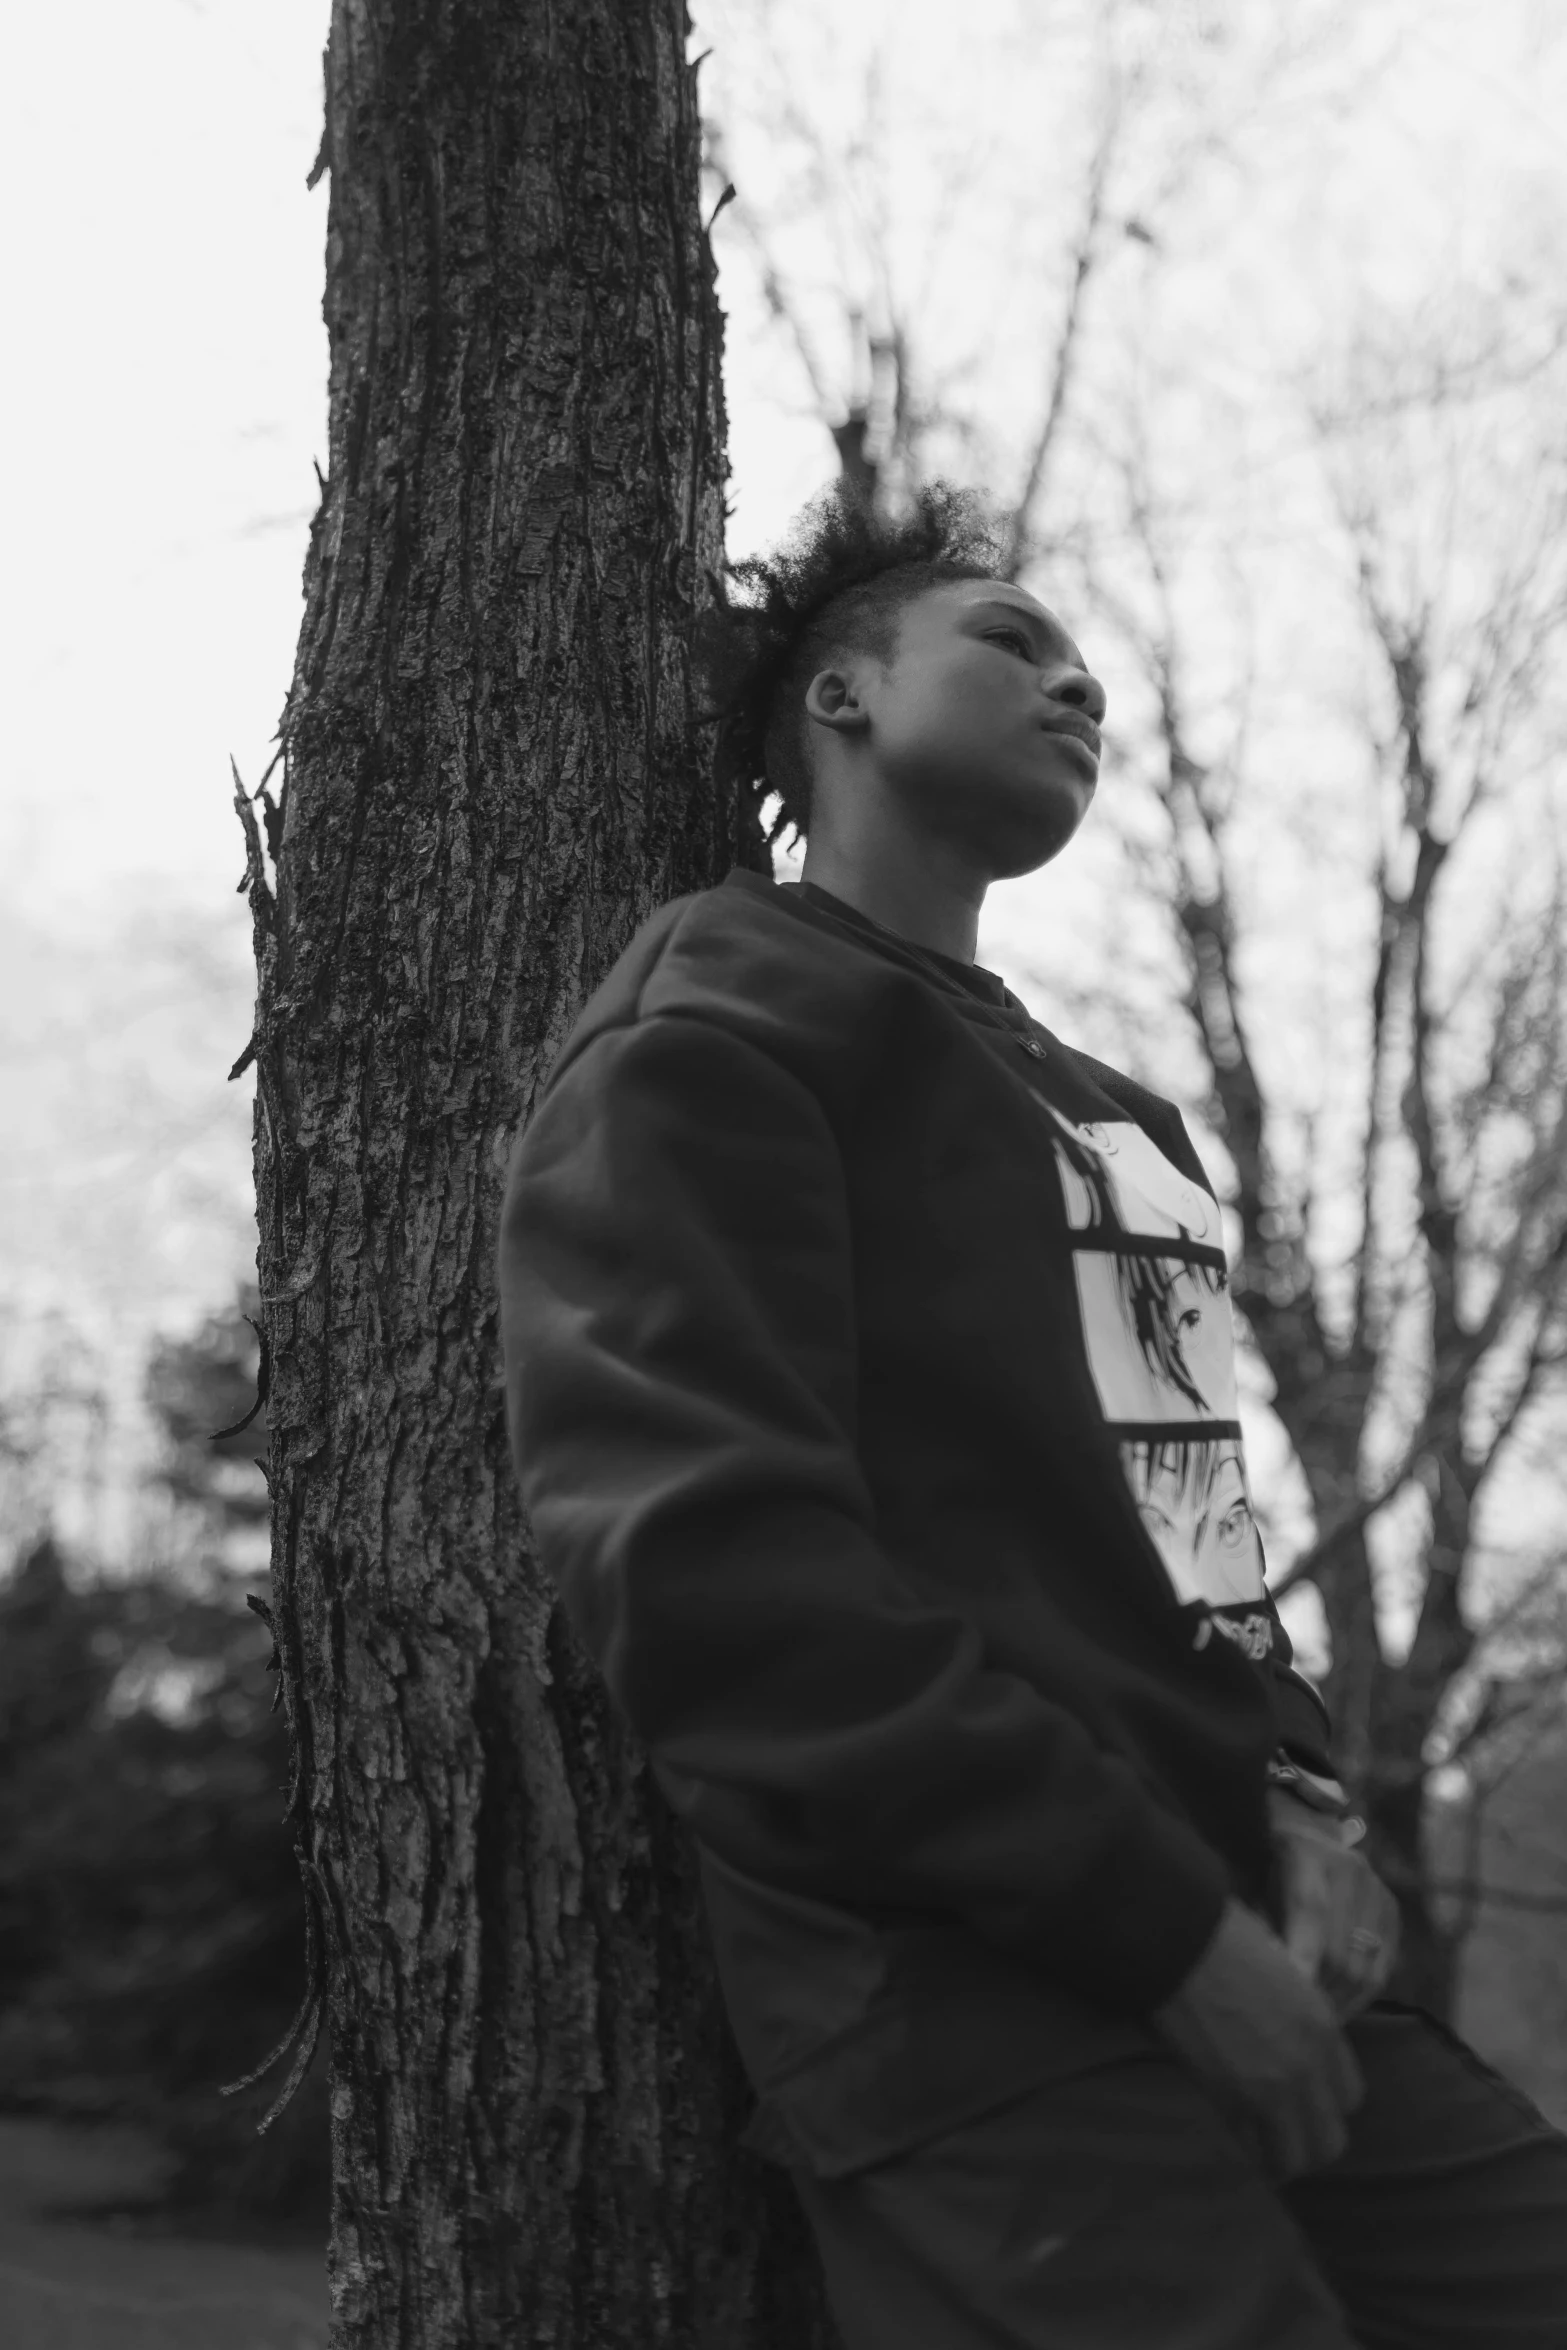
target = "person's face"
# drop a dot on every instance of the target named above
(1200, 1327)
(968, 734)
(1208, 1543)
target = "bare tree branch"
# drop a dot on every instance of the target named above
(1312, 1561)
(1017, 548)
(775, 292)
(1549, 1571)
(1543, 1356)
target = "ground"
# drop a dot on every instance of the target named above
(66, 2285)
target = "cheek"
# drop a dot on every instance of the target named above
(934, 748)
(937, 714)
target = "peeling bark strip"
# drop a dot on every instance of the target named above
(490, 777)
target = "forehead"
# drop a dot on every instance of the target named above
(964, 599)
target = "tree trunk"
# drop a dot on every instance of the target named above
(1395, 1807)
(1408, 1699)
(491, 777)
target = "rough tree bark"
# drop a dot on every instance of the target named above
(491, 776)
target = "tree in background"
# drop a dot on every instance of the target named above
(54, 1413)
(204, 1393)
(1415, 1360)
(492, 774)
(151, 1921)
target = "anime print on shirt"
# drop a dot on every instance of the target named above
(1153, 1287)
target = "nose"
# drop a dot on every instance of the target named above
(1081, 691)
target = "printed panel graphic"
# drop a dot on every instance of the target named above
(1160, 1345)
(1193, 1501)
(1153, 1291)
(1115, 1174)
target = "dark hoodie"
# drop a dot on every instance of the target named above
(872, 1395)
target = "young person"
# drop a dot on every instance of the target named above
(872, 1396)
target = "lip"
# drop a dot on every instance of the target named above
(1081, 730)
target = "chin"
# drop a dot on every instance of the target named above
(1025, 849)
(1013, 868)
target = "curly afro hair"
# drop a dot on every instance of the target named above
(838, 586)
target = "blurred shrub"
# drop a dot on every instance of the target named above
(151, 1921)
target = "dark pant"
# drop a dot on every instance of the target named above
(1117, 2211)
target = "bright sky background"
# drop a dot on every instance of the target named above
(166, 399)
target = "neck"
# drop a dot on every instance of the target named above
(907, 887)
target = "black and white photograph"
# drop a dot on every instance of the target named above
(783, 1176)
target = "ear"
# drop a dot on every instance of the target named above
(833, 700)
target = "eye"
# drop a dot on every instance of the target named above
(1234, 1527)
(1017, 636)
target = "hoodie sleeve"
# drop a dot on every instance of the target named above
(677, 1313)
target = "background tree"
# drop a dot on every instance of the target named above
(1409, 1362)
(491, 775)
(204, 1393)
(150, 1912)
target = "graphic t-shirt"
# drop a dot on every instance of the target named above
(1153, 1290)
